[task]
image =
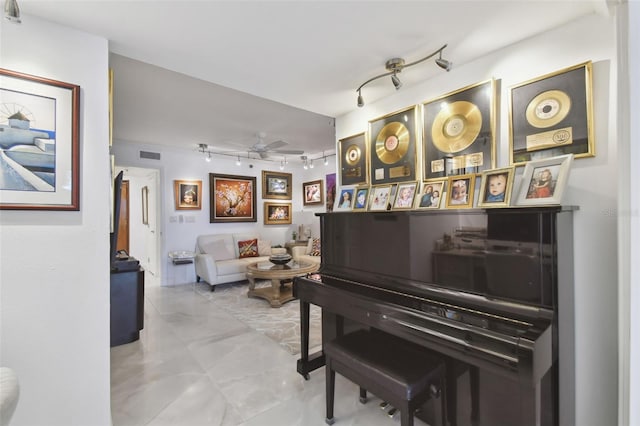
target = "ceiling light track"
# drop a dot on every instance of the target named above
(395, 66)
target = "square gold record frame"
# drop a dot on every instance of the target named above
(459, 131)
(392, 147)
(353, 160)
(552, 115)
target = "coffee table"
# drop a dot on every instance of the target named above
(281, 276)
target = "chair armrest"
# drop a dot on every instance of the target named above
(297, 251)
(206, 267)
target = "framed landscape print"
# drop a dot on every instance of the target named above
(39, 143)
(352, 153)
(232, 198)
(461, 189)
(459, 131)
(312, 192)
(277, 213)
(188, 194)
(495, 189)
(552, 115)
(276, 185)
(543, 181)
(430, 195)
(392, 147)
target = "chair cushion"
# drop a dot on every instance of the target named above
(248, 248)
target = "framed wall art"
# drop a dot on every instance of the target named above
(232, 198)
(39, 143)
(345, 200)
(145, 205)
(392, 147)
(552, 115)
(187, 194)
(276, 185)
(330, 179)
(405, 195)
(361, 198)
(461, 189)
(312, 193)
(495, 189)
(430, 195)
(277, 213)
(352, 153)
(543, 181)
(459, 131)
(380, 197)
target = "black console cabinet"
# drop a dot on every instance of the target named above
(127, 306)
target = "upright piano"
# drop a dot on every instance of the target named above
(490, 290)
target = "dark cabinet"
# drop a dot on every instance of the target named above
(127, 306)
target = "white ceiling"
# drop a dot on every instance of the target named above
(221, 72)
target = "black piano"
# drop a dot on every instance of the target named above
(491, 290)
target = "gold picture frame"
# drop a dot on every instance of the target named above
(313, 192)
(277, 213)
(276, 185)
(496, 187)
(361, 198)
(353, 163)
(187, 194)
(380, 197)
(460, 191)
(431, 194)
(405, 196)
(552, 115)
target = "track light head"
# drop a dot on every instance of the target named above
(238, 162)
(444, 64)
(12, 11)
(326, 161)
(396, 82)
(360, 100)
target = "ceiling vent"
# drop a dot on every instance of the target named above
(150, 155)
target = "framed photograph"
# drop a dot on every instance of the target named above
(39, 143)
(145, 205)
(277, 213)
(331, 191)
(232, 198)
(345, 200)
(495, 189)
(361, 198)
(459, 131)
(461, 189)
(552, 115)
(380, 197)
(313, 192)
(392, 147)
(188, 194)
(543, 181)
(352, 153)
(276, 185)
(405, 195)
(431, 193)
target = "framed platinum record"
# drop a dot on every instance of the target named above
(353, 160)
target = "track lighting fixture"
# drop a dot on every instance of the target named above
(12, 11)
(311, 164)
(282, 165)
(208, 159)
(238, 162)
(326, 161)
(395, 66)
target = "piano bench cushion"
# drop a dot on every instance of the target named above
(401, 368)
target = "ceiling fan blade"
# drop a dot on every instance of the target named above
(274, 145)
(263, 154)
(289, 151)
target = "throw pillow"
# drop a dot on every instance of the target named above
(219, 250)
(315, 247)
(264, 247)
(248, 248)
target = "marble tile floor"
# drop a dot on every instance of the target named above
(195, 365)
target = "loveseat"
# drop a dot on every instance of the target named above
(309, 253)
(223, 258)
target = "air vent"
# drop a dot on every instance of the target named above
(150, 155)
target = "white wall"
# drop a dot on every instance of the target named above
(590, 186)
(176, 164)
(54, 266)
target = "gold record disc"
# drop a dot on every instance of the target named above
(548, 109)
(352, 155)
(456, 127)
(392, 142)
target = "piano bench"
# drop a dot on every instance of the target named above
(397, 371)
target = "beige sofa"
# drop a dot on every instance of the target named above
(304, 253)
(218, 260)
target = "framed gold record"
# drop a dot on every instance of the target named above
(552, 115)
(459, 131)
(392, 147)
(353, 160)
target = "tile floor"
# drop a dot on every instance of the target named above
(195, 365)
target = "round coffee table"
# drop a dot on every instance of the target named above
(281, 277)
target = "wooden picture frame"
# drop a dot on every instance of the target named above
(460, 191)
(277, 213)
(380, 197)
(405, 196)
(39, 143)
(361, 198)
(313, 192)
(544, 181)
(353, 155)
(431, 194)
(232, 198)
(459, 131)
(496, 187)
(145, 205)
(276, 185)
(188, 194)
(552, 115)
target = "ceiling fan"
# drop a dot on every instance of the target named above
(263, 149)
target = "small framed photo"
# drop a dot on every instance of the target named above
(460, 191)
(543, 181)
(495, 190)
(277, 213)
(345, 200)
(276, 185)
(405, 195)
(313, 192)
(430, 195)
(188, 194)
(361, 198)
(380, 197)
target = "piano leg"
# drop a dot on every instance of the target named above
(452, 392)
(474, 383)
(307, 363)
(330, 382)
